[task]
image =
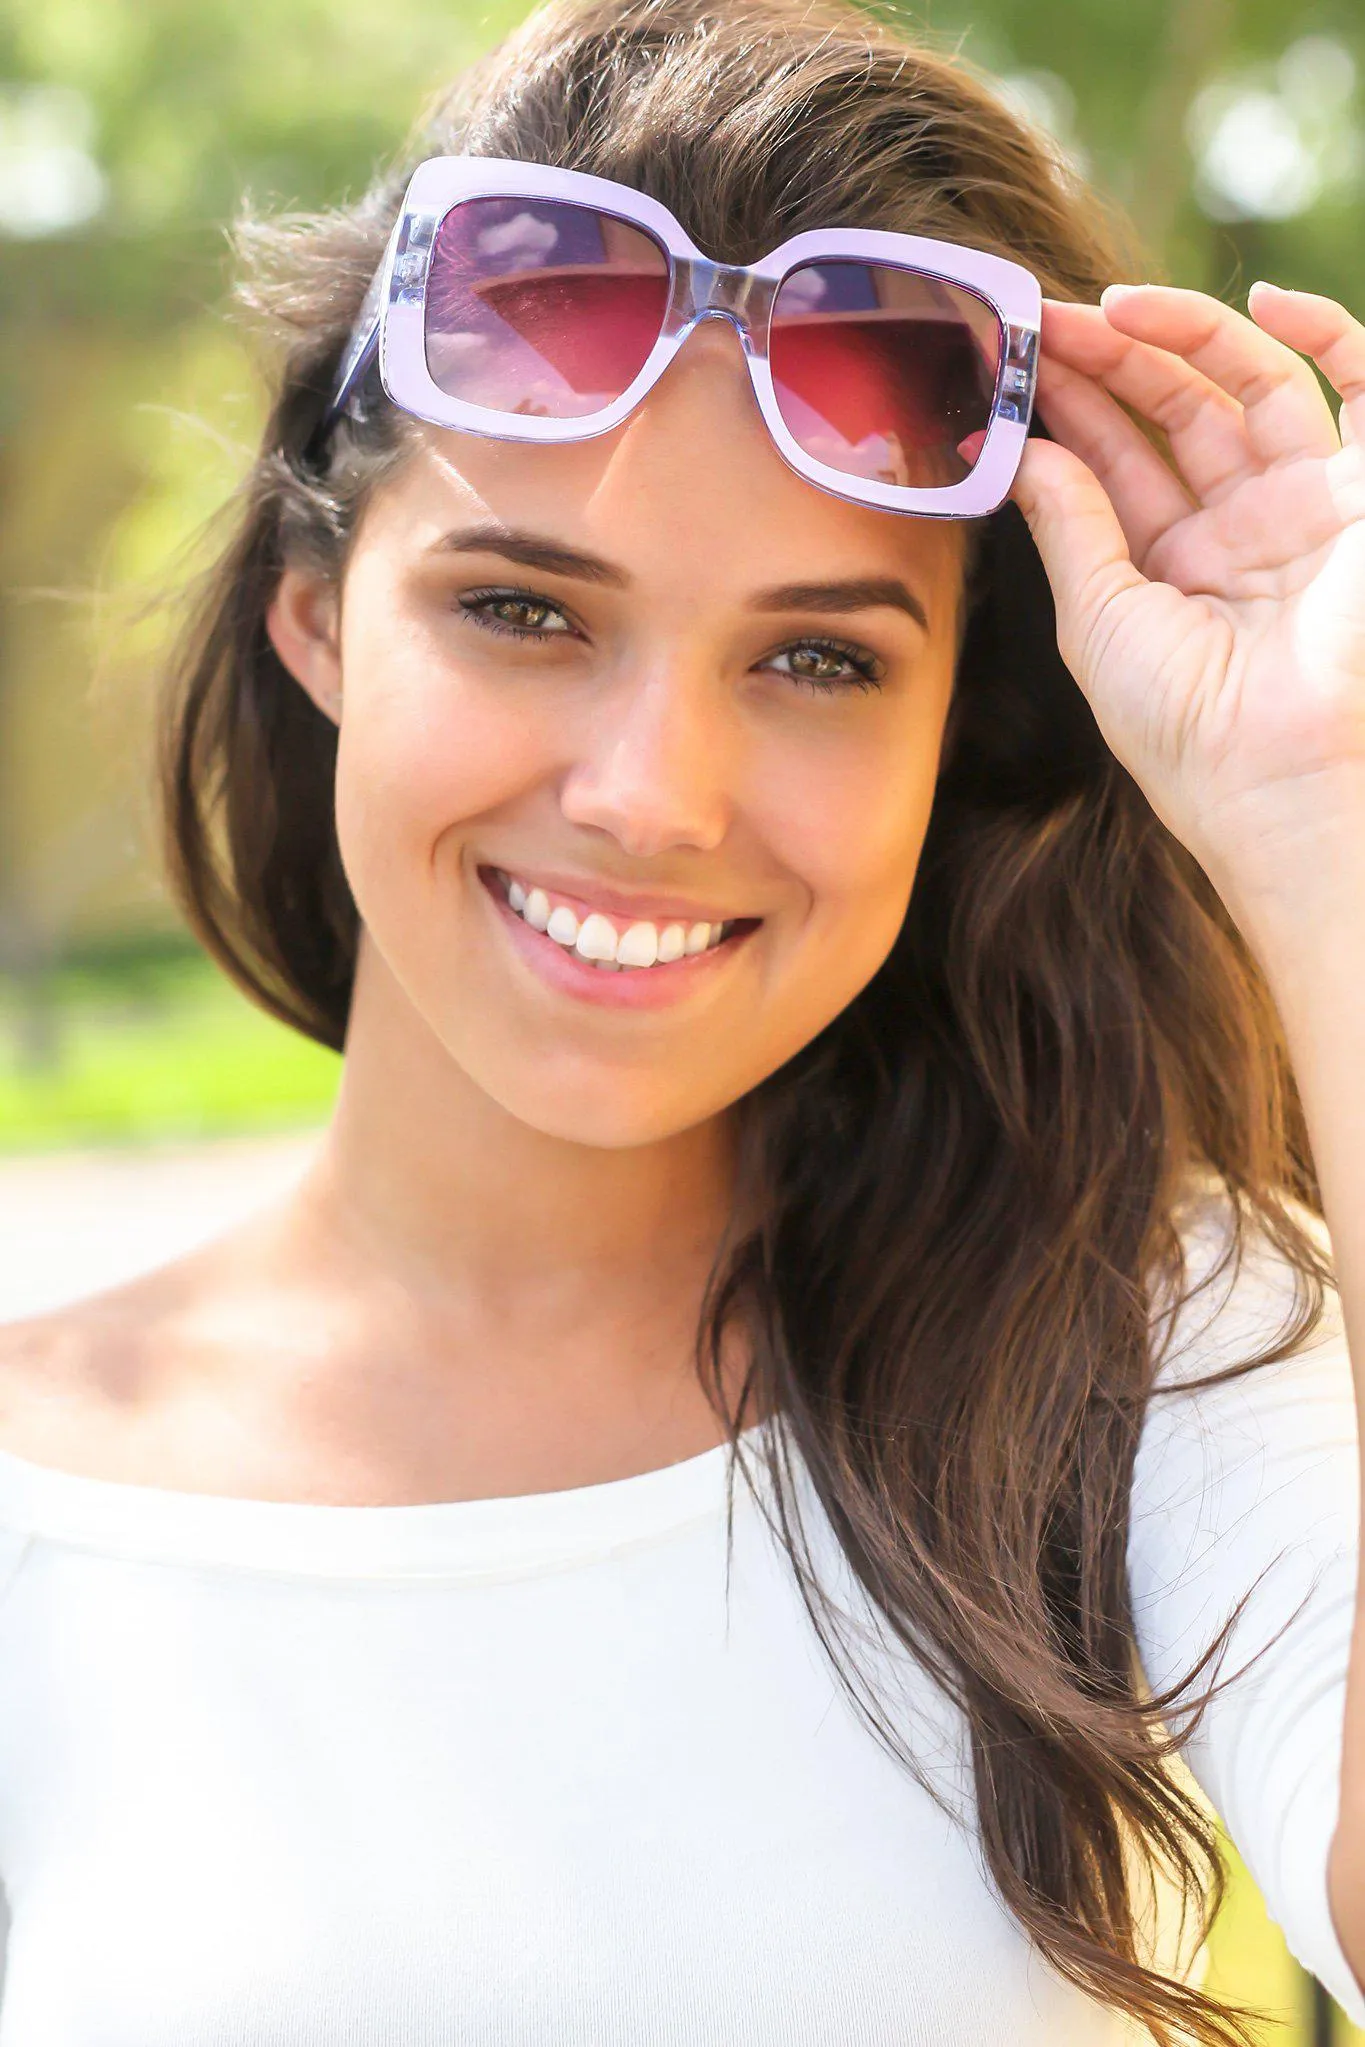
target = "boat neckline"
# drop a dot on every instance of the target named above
(510, 1534)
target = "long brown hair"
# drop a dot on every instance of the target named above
(970, 1180)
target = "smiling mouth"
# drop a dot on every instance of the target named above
(612, 945)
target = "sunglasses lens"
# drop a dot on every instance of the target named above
(538, 307)
(884, 373)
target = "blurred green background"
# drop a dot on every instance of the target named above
(1232, 130)
(129, 132)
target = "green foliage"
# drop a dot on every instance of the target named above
(1249, 1964)
(196, 105)
(127, 400)
(148, 1042)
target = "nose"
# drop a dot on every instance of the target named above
(655, 771)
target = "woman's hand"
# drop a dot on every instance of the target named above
(1216, 618)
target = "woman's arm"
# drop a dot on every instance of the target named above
(1316, 965)
(1245, 1514)
(1215, 618)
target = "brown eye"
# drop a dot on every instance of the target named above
(816, 665)
(514, 611)
(519, 611)
(828, 665)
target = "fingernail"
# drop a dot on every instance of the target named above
(1117, 291)
(1264, 284)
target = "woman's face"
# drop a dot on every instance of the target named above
(645, 685)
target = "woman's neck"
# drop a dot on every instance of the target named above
(441, 1186)
(519, 1287)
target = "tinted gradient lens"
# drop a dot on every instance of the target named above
(884, 373)
(534, 306)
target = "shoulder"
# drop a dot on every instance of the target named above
(1240, 1296)
(61, 1373)
(1250, 1437)
(79, 1383)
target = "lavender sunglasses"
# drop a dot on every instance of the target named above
(526, 303)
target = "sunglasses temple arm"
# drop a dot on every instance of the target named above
(361, 350)
(363, 345)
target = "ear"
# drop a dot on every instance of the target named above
(303, 623)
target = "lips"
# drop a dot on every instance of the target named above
(626, 962)
(600, 933)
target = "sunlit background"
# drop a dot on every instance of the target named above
(142, 1102)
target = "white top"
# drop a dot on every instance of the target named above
(499, 1772)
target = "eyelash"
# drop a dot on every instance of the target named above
(476, 606)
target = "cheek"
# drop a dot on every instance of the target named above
(853, 831)
(425, 745)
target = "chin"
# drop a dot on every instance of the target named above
(610, 1125)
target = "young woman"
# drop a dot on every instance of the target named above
(841, 983)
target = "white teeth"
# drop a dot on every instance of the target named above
(596, 937)
(637, 947)
(596, 940)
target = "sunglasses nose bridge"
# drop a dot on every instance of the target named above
(723, 291)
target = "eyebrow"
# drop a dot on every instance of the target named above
(850, 593)
(536, 551)
(532, 551)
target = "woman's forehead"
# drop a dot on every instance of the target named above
(690, 485)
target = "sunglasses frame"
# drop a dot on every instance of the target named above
(392, 325)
